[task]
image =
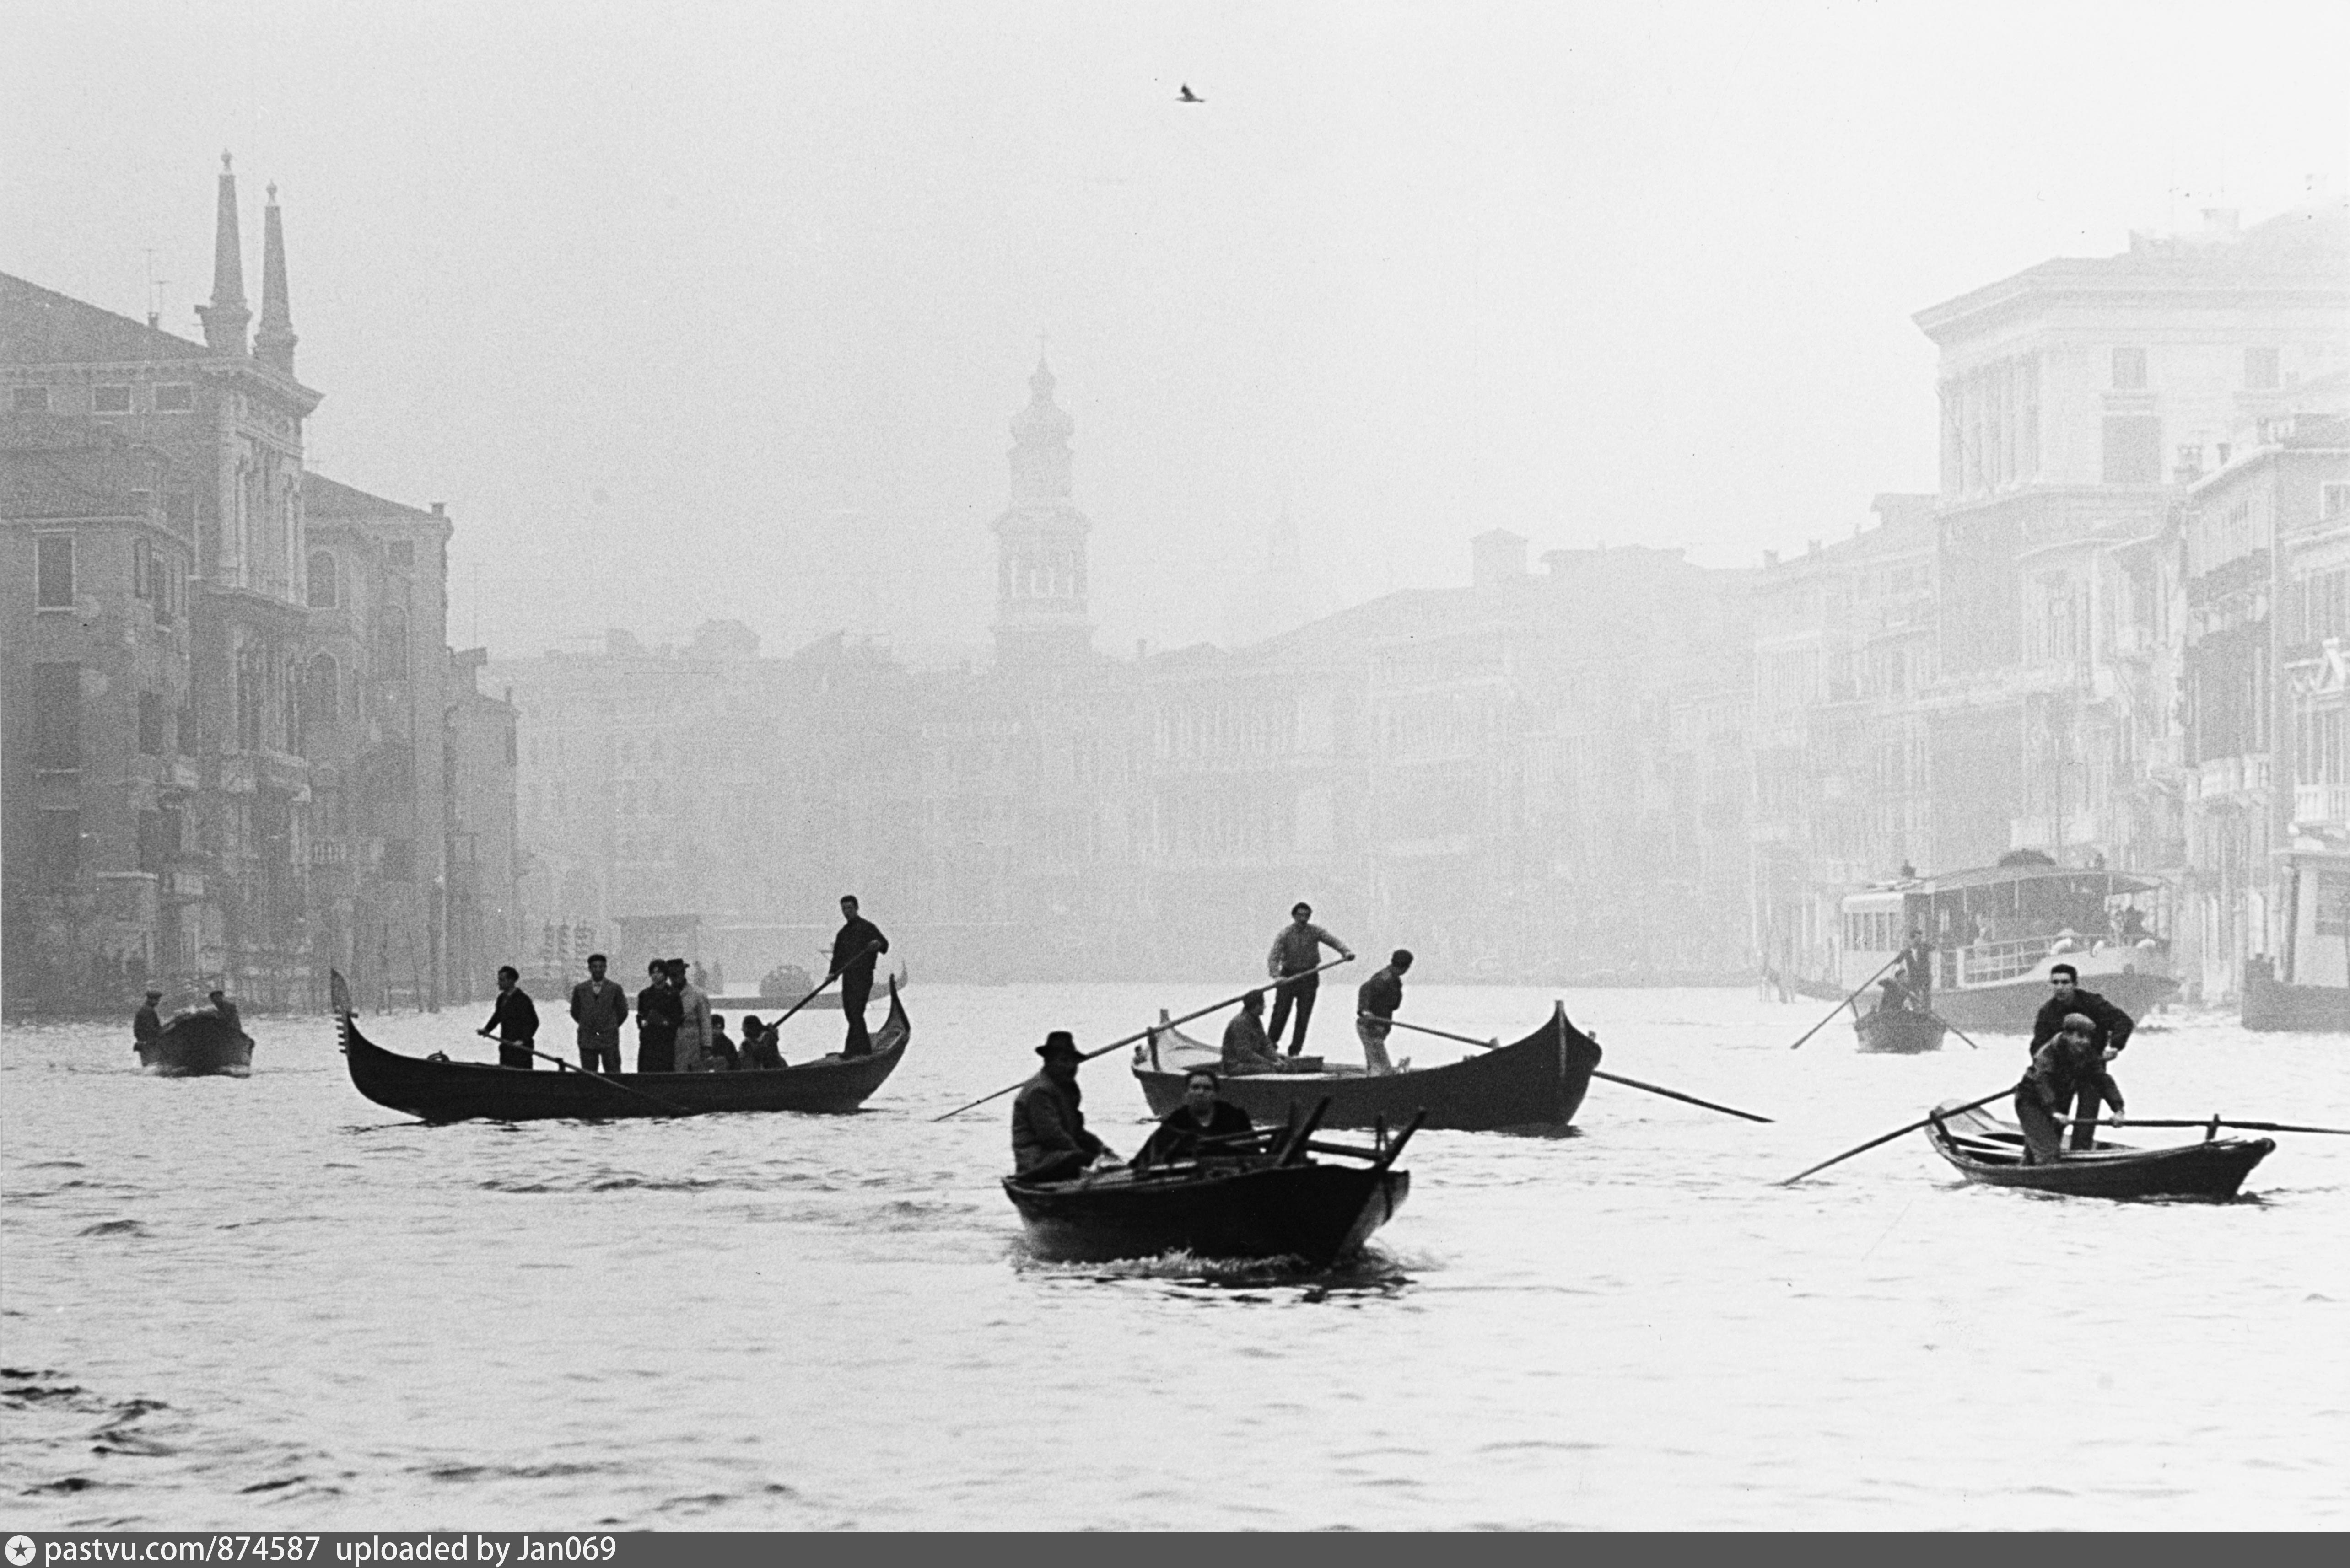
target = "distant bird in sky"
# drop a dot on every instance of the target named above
(1188, 95)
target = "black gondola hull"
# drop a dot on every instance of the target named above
(463, 1091)
(1987, 1150)
(1319, 1214)
(1535, 1085)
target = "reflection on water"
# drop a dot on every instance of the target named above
(268, 1305)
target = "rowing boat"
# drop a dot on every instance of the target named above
(1536, 1085)
(1899, 1031)
(198, 1044)
(1990, 1151)
(1273, 1203)
(436, 1089)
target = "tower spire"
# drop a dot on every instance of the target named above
(273, 342)
(225, 318)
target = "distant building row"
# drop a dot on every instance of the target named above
(236, 747)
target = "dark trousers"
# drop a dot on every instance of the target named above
(601, 1055)
(2088, 1103)
(1298, 993)
(856, 990)
(656, 1050)
(514, 1053)
(2044, 1139)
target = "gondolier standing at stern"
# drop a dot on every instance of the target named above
(854, 951)
(1296, 953)
(514, 1018)
(1376, 1000)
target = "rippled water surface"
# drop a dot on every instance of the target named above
(271, 1304)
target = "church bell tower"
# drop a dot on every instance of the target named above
(1040, 549)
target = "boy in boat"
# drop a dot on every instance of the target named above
(1296, 951)
(2071, 1064)
(1376, 1000)
(723, 1057)
(1049, 1140)
(759, 1052)
(1246, 1050)
(514, 1018)
(144, 1024)
(1203, 1116)
(2109, 1025)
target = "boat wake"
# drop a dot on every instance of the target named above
(1369, 1271)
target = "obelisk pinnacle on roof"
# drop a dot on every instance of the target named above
(225, 318)
(273, 342)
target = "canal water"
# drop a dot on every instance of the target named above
(269, 1305)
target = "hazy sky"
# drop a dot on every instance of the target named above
(722, 310)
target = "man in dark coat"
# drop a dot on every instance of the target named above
(599, 1006)
(854, 951)
(1203, 1117)
(2109, 1025)
(659, 1015)
(144, 1024)
(1049, 1140)
(2068, 1068)
(1246, 1050)
(515, 1019)
(1376, 1000)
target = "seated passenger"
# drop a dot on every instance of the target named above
(1246, 1049)
(759, 1052)
(721, 1056)
(1050, 1141)
(1205, 1123)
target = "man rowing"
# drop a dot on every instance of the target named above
(1376, 1000)
(855, 948)
(2109, 1026)
(1049, 1140)
(2071, 1066)
(1297, 953)
(1205, 1123)
(514, 1019)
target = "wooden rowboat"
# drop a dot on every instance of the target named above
(1899, 1030)
(1990, 1151)
(1534, 1086)
(438, 1090)
(198, 1044)
(1278, 1203)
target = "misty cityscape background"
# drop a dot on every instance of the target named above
(1570, 491)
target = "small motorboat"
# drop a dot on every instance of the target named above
(1264, 1197)
(1990, 1151)
(198, 1044)
(1900, 1030)
(1533, 1084)
(435, 1089)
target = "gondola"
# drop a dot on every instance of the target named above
(444, 1091)
(1899, 1030)
(198, 1044)
(1990, 1151)
(1267, 1200)
(1534, 1086)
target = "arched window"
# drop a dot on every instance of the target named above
(322, 580)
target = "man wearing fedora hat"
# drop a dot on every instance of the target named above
(1049, 1140)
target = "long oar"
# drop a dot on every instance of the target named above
(1840, 1006)
(2213, 1122)
(828, 980)
(674, 1109)
(1162, 1023)
(1953, 1029)
(1611, 1077)
(1896, 1132)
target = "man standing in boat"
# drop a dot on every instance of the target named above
(2068, 1068)
(1049, 1140)
(228, 1009)
(2109, 1024)
(854, 952)
(1205, 1123)
(658, 1016)
(1296, 953)
(599, 1006)
(1917, 970)
(1376, 1000)
(692, 1020)
(514, 1019)
(144, 1024)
